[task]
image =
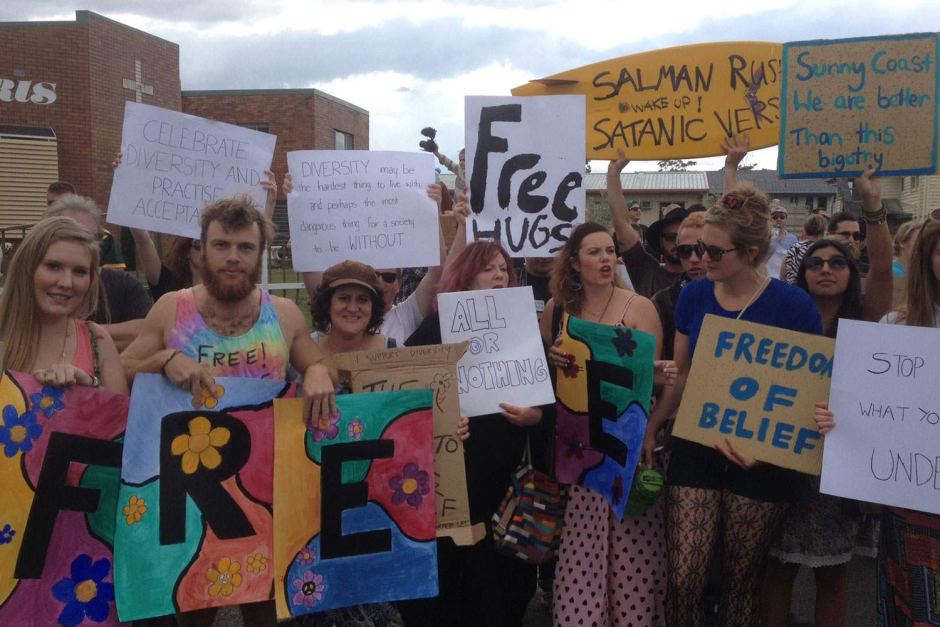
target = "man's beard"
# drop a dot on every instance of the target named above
(227, 292)
(669, 259)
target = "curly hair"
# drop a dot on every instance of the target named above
(565, 283)
(744, 213)
(323, 297)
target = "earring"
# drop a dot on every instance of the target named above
(576, 284)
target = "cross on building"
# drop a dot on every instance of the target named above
(136, 85)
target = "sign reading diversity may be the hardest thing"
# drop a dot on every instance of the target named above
(175, 164)
(370, 206)
(767, 410)
(852, 103)
(886, 400)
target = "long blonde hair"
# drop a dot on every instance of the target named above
(19, 318)
(923, 288)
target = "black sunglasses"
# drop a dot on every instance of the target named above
(715, 253)
(856, 235)
(685, 251)
(388, 277)
(836, 262)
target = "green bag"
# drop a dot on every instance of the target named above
(647, 487)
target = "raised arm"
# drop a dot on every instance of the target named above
(427, 287)
(880, 284)
(269, 184)
(735, 148)
(627, 236)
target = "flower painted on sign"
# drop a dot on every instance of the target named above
(308, 588)
(200, 445)
(210, 400)
(6, 534)
(257, 563)
(355, 428)
(18, 431)
(325, 427)
(86, 594)
(47, 401)
(136, 507)
(571, 444)
(624, 342)
(410, 486)
(306, 555)
(225, 577)
(572, 369)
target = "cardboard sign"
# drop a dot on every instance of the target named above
(355, 495)
(505, 360)
(886, 401)
(358, 204)
(603, 406)
(196, 498)
(675, 103)
(59, 473)
(525, 171)
(419, 367)
(757, 386)
(851, 103)
(175, 164)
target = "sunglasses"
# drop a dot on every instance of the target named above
(715, 253)
(856, 235)
(388, 277)
(685, 251)
(836, 262)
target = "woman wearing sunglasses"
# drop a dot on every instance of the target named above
(822, 531)
(714, 495)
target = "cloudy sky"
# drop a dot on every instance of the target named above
(409, 63)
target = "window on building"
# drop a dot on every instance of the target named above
(822, 202)
(256, 126)
(645, 204)
(915, 182)
(342, 141)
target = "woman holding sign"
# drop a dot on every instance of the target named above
(719, 495)
(51, 287)
(611, 570)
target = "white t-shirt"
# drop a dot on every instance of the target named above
(402, 319)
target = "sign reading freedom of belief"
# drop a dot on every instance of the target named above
(852, 103)
(677, 102)
(525, 171)
(175, 164)
(886, 400)
(767, 411)
(358, 204)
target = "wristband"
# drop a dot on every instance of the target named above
(168, 360)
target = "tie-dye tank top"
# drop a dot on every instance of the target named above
(259, 353)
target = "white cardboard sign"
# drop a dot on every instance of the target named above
(175, 164)
(505, 361)
(885, 395)
(368, 206)
(525, 171)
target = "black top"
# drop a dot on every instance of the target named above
(645, 271)
(123, 294)
(166, 283)
(665, 301)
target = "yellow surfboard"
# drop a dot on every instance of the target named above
(676, 102)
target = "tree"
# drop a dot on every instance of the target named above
(747, 166)
(675, 165)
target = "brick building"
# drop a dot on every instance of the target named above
(66, 83)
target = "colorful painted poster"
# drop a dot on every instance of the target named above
(194, 527)
(365, 531)
(59, 478)
(603, 405)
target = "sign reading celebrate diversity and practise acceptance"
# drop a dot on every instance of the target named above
(852, 103)
(525, 171)
(675, 103)
(886, 401)
(757, 386)
(357, 204)
(175, 164)
(505, 361)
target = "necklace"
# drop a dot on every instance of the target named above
(65, 341)
(606, 305)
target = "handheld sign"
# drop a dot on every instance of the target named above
(357, 204)
(852, 103)
(886, 401)
(505, 361)
(525, 171)
(757, 387)
(676, 102)
(175, 164)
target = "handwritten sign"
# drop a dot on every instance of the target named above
(757, 386)
(175, 164)
(433, 367)
(886, 400)
(505, 361)
(676, 102)
(525, 168)
(356, 204)
(851, 103)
